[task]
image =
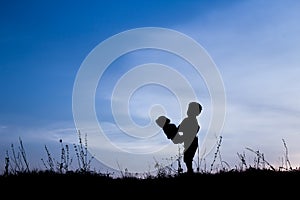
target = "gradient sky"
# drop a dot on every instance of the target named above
(255, 45)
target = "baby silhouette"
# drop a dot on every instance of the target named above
(170, 129)
(186, 132)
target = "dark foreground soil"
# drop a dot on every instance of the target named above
(250, 184)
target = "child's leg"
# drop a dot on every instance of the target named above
(189, 154)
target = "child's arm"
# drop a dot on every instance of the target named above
(178, 139)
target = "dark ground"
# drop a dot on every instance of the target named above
(237, 185)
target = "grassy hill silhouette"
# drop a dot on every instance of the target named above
(57, 178)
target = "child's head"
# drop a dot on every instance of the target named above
(194, 109)
(162, 120)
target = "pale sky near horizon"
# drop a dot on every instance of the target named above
(254, 44)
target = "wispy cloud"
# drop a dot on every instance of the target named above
(255, 46)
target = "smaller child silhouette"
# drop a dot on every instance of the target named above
(170, 130)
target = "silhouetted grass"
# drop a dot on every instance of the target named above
(255, 183)
(169, 180)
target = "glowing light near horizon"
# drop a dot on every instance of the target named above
(106, 52)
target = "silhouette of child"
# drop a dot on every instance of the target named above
(170, 130)
(189, 128)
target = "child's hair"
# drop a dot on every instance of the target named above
(162, 120)
(194, 109)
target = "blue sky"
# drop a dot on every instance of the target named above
(255, 45)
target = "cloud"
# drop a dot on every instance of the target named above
(113, 147)
(255, 46)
